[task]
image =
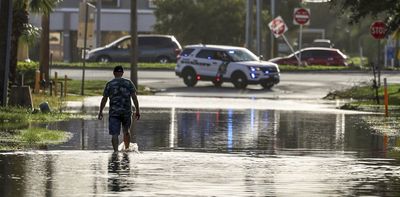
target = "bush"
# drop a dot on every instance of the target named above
(28, 69)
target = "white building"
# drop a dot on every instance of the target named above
(114, 23)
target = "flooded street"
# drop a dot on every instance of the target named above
(214, 152)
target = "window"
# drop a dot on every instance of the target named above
(186, 52)
(306, 54)
(322, 54)
(107, 3)
(239, 55)
(125, 44)
(154, 42)
(206, 54)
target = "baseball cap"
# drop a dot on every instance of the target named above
(118, 69)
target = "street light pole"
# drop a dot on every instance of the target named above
(134, 43)
(98, 23)
(258, 27)
(272, 54)
(249, 24)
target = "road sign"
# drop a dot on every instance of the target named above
(301, 16)
(277, 26)
(378, 29)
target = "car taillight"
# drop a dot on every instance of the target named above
(178, 51)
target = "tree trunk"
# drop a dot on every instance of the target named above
(20, 17)
(396, 49)
(44, 48)
(5, 34)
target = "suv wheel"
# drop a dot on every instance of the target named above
(267, 85)
(189, 77)
(239, 80)
(104, 58)
(217, 83)
(163, 59)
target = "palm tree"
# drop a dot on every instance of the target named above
(21, 11)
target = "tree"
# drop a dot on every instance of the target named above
(388, 10)
(21, 10)
(205, 21)
(44, 7)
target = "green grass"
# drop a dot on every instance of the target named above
(14, 117)
(365, 94)
(171, 66)
(31, 138)
(92, 87)
(95, 88)
(291, 68)
(14, 131)
(363, 98)
(111, 65)
(39, 136)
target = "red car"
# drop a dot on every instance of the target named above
(314, 56)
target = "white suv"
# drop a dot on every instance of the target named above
(220, 64)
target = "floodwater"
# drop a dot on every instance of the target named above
(214, 152)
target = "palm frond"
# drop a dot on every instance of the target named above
(43, 6)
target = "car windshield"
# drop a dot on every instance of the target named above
(241, 55)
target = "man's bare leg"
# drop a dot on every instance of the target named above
(114, 142)
(127, 138)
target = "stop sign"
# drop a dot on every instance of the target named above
(277, 26)
(378, 29)
(301, 16)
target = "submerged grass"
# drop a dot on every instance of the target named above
(40, 136)
(14, 131)
(31, 138)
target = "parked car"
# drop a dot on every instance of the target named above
(240, 66)
(151, 48)
(322, 43)
(315, 56)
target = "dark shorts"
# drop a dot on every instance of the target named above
(115, 123)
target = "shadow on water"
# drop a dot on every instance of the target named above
(188, 152)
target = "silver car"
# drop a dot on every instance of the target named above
(151, 48)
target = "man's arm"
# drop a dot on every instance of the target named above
(136, 103)
(102, 105)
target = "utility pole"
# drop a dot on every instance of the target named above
(259, 5)
(5, 45)
(134, 43)
(272, 39)
(98, 23)
(249, 24)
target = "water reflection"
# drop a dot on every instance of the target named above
(265, 131)
(214, 153)
(119, 174)
(176, 173)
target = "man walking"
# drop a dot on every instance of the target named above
(120, 91)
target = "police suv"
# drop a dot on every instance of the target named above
(218, 64)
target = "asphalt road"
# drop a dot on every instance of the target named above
(292, 86)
